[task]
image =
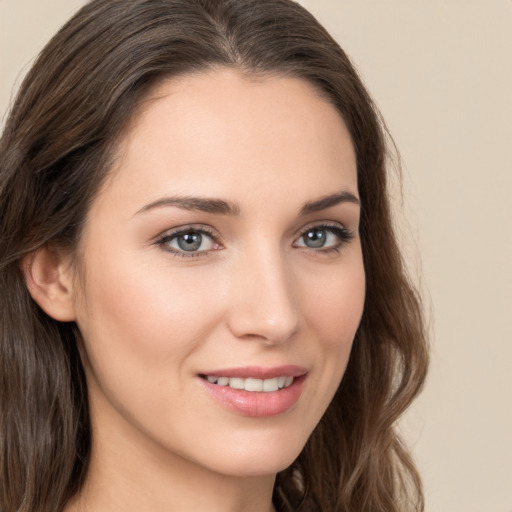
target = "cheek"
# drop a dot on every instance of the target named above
(140, 329)
(333, 312)
(334, 309)
(143, 316)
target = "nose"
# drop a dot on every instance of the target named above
(264, 304)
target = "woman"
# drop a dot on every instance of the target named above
(204, 305)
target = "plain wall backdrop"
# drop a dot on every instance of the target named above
(441, 73)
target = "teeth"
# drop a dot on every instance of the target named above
(253, 385)
(236, 383)
(271, 384)
(250, 384)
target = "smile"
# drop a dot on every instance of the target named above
(255, 391)
(252, 384)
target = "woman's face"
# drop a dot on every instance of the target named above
(222, 253)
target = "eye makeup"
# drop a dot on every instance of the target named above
(198, 241)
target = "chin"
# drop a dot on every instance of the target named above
(256, 456)
(257, 466)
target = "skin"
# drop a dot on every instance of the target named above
(254, 294)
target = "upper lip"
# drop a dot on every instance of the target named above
(258, 372)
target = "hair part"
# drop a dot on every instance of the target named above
(57, 148)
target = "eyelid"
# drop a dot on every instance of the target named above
(323, 224)
(162, 239)
(344, 234)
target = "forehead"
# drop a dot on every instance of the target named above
(208, 132)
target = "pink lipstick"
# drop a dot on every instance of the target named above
(255, 391)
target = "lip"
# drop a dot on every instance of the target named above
(256, 404)
(257, 372)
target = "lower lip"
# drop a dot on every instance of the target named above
(256, 404)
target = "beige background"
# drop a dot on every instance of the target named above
(441, 72)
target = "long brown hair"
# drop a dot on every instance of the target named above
(56, 149)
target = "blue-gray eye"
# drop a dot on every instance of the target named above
(315, 238)
(189, 241)
(324, 237)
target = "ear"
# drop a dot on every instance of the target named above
(49, 277)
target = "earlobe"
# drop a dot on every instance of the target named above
(49, 279)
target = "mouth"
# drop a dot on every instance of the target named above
(254, 391)
(251, 384)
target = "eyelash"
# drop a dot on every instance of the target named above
(343, 234)
(164, 240)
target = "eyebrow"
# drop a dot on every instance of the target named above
(222, 207)
(328, 201)
(207, 205)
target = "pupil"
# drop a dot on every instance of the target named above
(315, 238)
(190, 241)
